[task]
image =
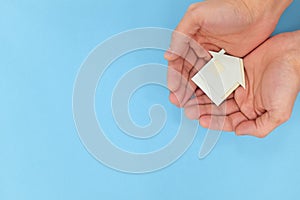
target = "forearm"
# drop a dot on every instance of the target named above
(295, 45)
(267, 8)
(278, 7)
(293, 48)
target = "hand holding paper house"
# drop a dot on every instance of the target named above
(220, 76)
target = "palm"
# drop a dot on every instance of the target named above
(260, 95)
(269, 90)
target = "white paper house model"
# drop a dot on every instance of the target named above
(220, 76)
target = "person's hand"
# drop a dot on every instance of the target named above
(238, 26)
(272, 74)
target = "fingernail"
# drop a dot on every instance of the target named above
(241, 134)
(168, 54)
(203, 122)
(207, 58)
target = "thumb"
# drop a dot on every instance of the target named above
(263, 125)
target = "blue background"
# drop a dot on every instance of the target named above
(42, 45)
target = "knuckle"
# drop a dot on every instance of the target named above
(192, 7)
(190, 88)
(281, 118)
(248, 110)
(188, 113)
(176, 66)
(186, 70)
(285, 117)
(262, 135)
(222, 108)
(175, 35)
(188, 63)
(205, 109)
(193, 72)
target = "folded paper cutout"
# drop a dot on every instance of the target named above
(220, 76)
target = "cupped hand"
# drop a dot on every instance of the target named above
(238, 26)
(272, 74)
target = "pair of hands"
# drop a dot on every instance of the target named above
(272, 66)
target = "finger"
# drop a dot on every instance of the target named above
(230, 96)
(174, 74)
(211, 47)
(263, 125)
(201, 99)
(170, 56)
(189, 62)
(198, 100)
(189, 91)
(185, 90)
(191, 57)
(200, 51)
(194, 91)
(187, 67)
(200, 63)
(225, 123)
(173, 99)
(178, 95)
(188, 26)
(191, 86)
(226, 108)
(179, 46)
(199, 92)
(247, 105)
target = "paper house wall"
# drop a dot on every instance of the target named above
(220, 76)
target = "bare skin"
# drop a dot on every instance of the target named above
(272, 85)
(238, 26)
